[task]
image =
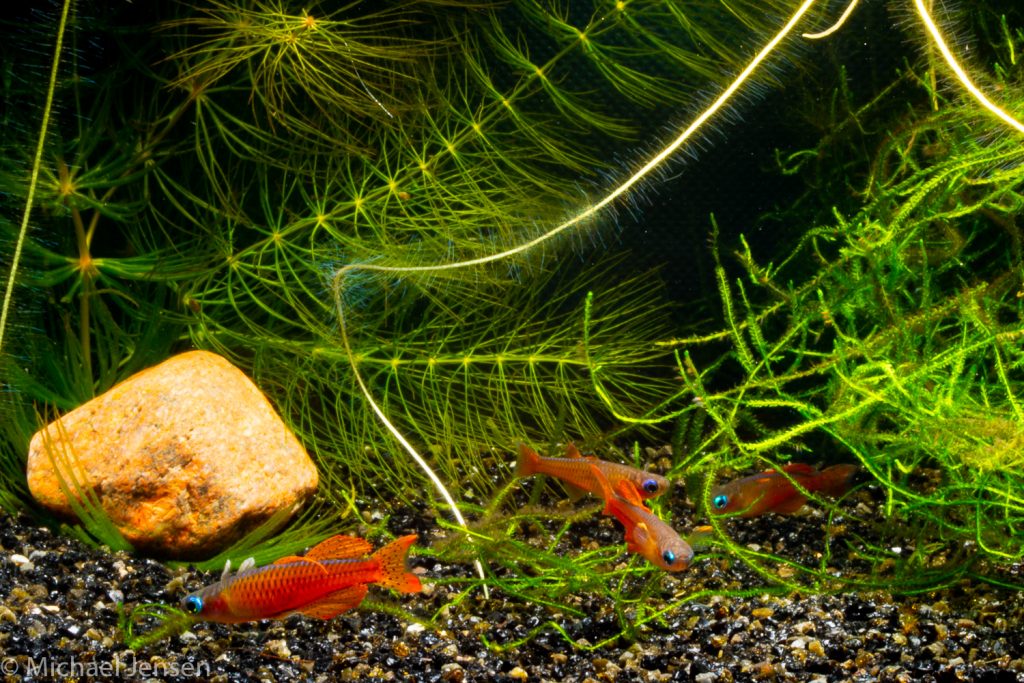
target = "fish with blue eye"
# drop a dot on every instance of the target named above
(771, 491)
(646, 534)
(575, 471)
(333, 577)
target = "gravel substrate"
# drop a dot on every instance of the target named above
(59, 620)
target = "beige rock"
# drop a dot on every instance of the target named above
(186, 457)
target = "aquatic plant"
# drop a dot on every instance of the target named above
(889, 333)
(149, 623)
(229, 188)
(397, 220)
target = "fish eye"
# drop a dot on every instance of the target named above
(193, 604)
(720, 501)
(650, 485)
(669, 557)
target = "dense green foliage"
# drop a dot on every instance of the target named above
(208, 183)
(382, 216)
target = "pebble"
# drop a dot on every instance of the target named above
(68, 607)
(452, 672)
(278, 647)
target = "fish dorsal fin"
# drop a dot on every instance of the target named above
(333, 604)
(340, 548)
(299, 558)
(247, 563)
(800, 468)
(571, 451)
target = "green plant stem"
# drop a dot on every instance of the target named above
(36, 163)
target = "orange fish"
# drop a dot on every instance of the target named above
(577, 472)
(770, 491)
(646, 534)
(330, 579)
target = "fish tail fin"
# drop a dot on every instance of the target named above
(393, 572)
(528, 462)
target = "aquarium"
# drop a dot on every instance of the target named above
(768, 252)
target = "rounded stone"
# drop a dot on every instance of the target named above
(185, 457)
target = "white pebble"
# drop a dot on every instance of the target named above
(278, 648)
(22, 562)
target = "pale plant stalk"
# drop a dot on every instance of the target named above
(576, 220)
(594, 209)
(34, 177)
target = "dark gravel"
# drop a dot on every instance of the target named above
(59, 620)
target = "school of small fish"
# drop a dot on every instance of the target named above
(334, 576)
(625, 489)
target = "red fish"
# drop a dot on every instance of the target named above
(770, 491)
(330, 579)
(646, 534)
(577, 472)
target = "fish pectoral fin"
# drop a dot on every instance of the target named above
(333, 604)
(636, 537)
(790, 505)
(574, 492)
(627, 490)
(340, 548)
(606, 491)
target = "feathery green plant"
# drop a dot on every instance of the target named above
(222, 190)
(889, 334)
(390, 217)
